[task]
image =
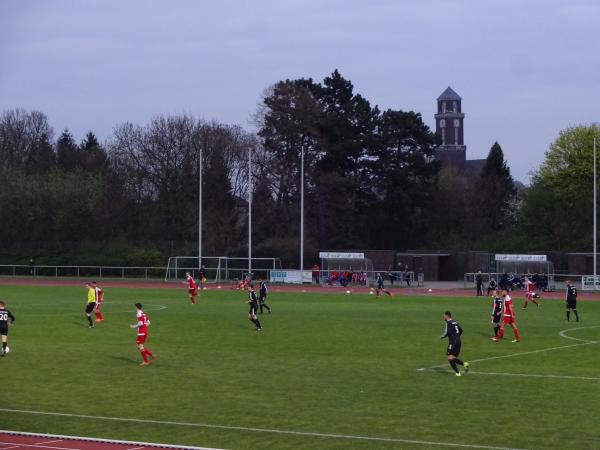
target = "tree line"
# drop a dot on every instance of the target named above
(371, 182)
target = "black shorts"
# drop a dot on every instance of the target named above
(571, 304)
(253, 308)
(4, 331)
(262, 298)
(453, 349)
(496, 318)
(90, 307)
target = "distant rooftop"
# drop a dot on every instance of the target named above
(449, 94)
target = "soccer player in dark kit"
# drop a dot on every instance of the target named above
(5, 317)
(262, 296)
(381, 287)
(453, 332)
(571, 301)
(497, 308)
(253, 302)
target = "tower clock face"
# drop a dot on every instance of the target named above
(456, 123)
(442, 123)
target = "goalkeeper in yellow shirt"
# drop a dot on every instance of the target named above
(91, 303)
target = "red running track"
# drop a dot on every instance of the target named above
(10, 440)
(307, 289)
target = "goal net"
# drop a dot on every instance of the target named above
(347, 271)
(219, 268)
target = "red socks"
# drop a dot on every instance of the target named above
(144, 356)
(148, 353)
(98, 315)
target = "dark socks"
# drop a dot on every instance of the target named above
(568, 315)
(459, 362)
(453, 365)
(496, 329)
(257, 322)
(576, 315)
(89, 318)
(4, 345)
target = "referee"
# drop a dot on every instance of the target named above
(571, 301)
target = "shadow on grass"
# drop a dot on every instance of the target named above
(126, 359)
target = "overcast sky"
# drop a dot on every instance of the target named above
(525, 69)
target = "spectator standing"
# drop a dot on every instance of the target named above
(479, 282)
(316, 271)
(492, 286)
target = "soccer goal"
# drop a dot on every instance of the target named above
(219, 268)
(346, 271)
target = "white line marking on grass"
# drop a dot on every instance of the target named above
(156, 307)
(102, 441)
(562, 333)
(491, 358)
(259, 430)
(534, 375)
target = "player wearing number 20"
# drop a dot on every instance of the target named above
(453, 331)
(5, 316)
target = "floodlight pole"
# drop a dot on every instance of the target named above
(249, 210)
(301, 213)
(200, 210)
(595, 240)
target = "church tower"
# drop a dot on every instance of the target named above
(449, 126)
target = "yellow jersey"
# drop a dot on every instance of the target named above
(91, 295)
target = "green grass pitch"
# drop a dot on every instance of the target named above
(325, 363)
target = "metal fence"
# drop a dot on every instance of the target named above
(158, 273)
(555, 280)
(18, 270)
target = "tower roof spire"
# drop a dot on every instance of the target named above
(449, 94)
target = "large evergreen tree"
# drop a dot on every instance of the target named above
(494, 194)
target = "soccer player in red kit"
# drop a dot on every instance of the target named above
(142, 333)
(529, 291)
(99, 297)
(192, 291)
(508, 317)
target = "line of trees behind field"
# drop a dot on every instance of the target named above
(371, 181)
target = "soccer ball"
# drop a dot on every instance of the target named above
(347, 292)
(371, 292)
(429, 290)
(6, 350)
